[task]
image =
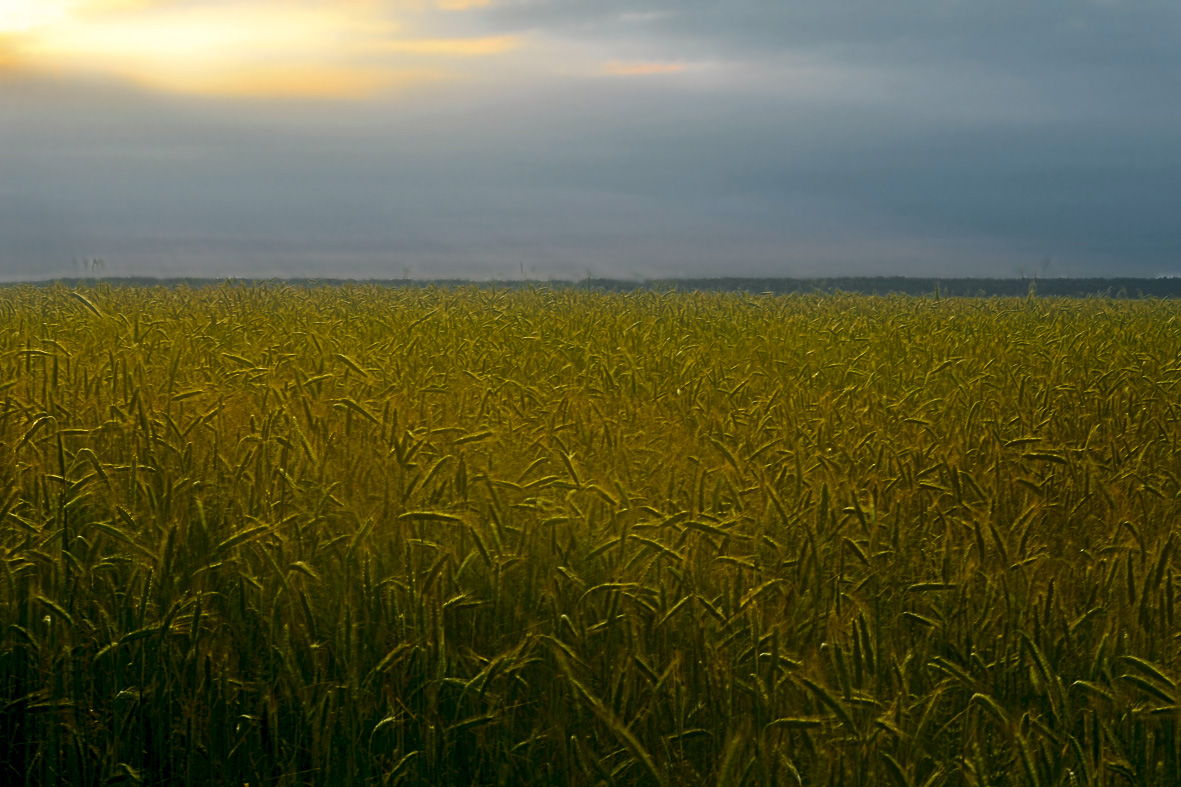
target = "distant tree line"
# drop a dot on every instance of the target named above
(1123, 287)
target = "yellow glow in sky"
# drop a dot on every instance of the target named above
(617, 68)
(463, 5)
(23, 16)
(457, 47)
(264, 47)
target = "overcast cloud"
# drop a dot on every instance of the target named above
(571, 137)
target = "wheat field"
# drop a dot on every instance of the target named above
(280, 535)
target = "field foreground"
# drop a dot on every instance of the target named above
(361, 535)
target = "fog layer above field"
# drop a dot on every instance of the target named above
(560, 139)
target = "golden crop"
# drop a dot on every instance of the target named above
(365, 535)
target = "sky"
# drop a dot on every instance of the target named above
(560, 139)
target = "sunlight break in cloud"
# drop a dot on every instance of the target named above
(621, 68)
(463, 5)
(23, 16)
(259, 47)
(457, 47)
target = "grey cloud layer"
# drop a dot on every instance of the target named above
(1128, 32)
(914, 137)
